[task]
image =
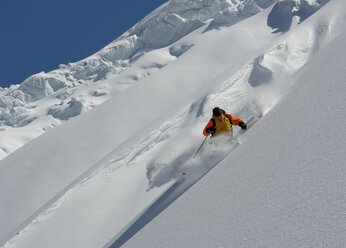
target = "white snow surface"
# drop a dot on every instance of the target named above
(284, 186)
(113, 133)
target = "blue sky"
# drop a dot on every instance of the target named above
(38, 35)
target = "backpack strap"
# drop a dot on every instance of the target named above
(214, 123)
(230, 119)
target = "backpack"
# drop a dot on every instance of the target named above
(224, 113)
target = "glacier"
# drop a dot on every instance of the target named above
(114, 68)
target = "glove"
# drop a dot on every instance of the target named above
(242, 125)
(211, 130)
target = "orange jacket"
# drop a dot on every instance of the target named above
(223, 126)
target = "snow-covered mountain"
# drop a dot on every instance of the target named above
(45, 100)
(114, 131)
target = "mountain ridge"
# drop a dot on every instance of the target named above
(78, 87)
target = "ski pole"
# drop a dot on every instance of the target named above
(199, 148)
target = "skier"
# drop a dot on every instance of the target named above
(221, 122)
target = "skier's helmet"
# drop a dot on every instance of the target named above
(217, 112)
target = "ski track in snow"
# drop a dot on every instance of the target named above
(195, 169)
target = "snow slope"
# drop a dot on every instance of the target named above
(284, 186)
(115, 167)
